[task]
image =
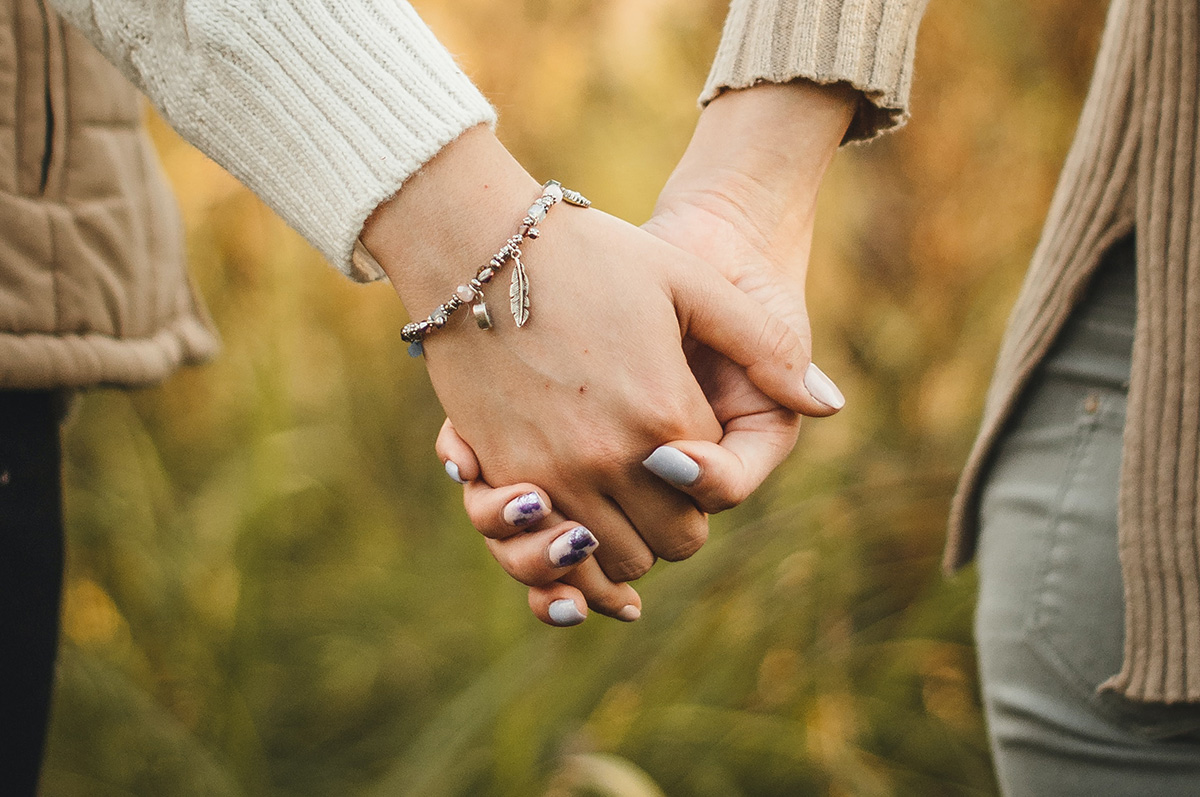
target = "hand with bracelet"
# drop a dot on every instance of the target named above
(597, 379)
(743, 198)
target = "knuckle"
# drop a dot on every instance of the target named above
(532, 576)
(722, 497)
(520, 568)
(687, 540)
(599, 457)
(670, 416)
(780, 341)
(482, 519)
(629, 568)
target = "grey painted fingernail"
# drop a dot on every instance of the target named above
(571, 547)
(452, 472)
(525, 509)
(822, 388)
(629, 613)
(672, 466)
(564, 612)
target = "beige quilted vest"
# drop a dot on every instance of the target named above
(92, 282)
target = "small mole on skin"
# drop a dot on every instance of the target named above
(582, 389)
(789, 366)
(547, 385)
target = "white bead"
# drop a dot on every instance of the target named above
(537, 212)
(554, 192)
(465, 292)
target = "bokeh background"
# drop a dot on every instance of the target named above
(273, 589)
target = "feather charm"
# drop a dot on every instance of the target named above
(518, 293)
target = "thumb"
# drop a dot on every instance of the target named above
(721, 476)
(456, 454)
(714, 312)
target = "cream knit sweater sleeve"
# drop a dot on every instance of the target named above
(868, 44)
(322, 108)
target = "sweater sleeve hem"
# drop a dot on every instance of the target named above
(867, 44)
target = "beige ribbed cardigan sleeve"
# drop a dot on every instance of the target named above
(869, 44)
(321, 107)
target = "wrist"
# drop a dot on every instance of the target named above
(449, 218)
(762, 152)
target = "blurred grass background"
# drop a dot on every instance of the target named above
(273, 589)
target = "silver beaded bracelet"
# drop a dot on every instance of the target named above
(472, 292)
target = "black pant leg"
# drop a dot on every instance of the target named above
(31, 574)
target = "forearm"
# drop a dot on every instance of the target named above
(768, 146)
(323, 109)
(756, 162)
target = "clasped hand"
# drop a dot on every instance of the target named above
(687, 338)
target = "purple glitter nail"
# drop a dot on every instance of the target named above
(572, 547)
(524, 510)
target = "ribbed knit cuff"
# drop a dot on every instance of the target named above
(868, 44)
(322, 108)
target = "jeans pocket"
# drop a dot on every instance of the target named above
(1077, 620)
(1077, 615)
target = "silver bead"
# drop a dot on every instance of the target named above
(576, 198)
(482, 317)
(533, 232)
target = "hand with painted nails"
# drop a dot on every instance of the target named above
(536, 544)
(578, 397)
(731, 203)
(743, 198)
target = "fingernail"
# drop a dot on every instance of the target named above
(524, 510)
(629, 613)
(452, 472)
(564, 612)
(673, 466)
(822, 388)
(572, 547)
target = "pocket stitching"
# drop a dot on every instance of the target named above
(1038, 621)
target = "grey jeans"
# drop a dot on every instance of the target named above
(1050, 619)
